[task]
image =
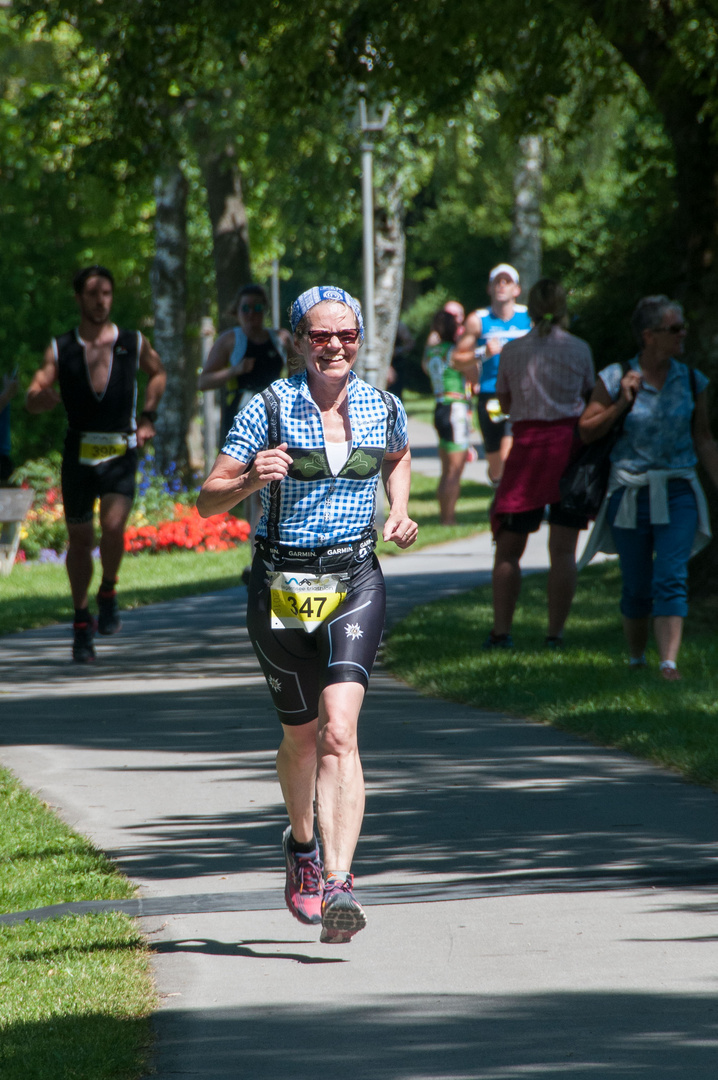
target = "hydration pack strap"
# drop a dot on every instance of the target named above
(393, 413)
(274, 438)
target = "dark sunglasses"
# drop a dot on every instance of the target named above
(323, 337)
(677, 328)
(247, 308)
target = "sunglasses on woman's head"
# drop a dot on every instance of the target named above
(323, 337)
(246, 309)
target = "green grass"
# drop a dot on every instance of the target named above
(419, 406)
(587, 688)
(37, 594)
(75, 993)
(472, 514)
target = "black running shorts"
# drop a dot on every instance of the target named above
(451, 420)
(492, 433)
(83, 484)
(298, 665)
(529, 521)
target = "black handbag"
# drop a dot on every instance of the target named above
(585, 480)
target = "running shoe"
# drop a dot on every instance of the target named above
(108, 613)
(342, 914)
(670, 673)
(498, 641)
(303, 888)
(83, 649)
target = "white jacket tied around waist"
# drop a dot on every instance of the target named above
(656, 480)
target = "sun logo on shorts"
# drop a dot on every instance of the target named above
(274, 683)
(354, 630)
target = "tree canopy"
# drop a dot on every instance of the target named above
(97, 97)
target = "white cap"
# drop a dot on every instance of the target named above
(505, 268)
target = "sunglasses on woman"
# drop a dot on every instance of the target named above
(246, 309)
(323, 337)
(676, 328)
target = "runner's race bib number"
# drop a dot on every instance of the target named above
(304, 601)
(97, 447)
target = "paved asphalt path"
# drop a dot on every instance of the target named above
(538, 907)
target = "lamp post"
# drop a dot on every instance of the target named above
(368, 126)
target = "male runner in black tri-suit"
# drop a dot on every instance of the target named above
(95, 367)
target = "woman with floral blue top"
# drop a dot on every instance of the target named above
(655, 507)
(315, 447)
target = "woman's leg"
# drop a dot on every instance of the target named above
(673, 543)
(452, 466)
(635, 553)
(669, 631)
(561, 586)
(297, 771)
(636, 634)
(340, 779)
(506, 578)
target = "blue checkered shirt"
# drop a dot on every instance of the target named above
(330, 509)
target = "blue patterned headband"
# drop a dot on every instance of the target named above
(317, 295)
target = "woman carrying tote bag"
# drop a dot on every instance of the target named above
(654, 514)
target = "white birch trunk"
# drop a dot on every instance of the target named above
(526, 234)
(390, 258)
(169, 297)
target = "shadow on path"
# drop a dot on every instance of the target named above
(455, 1037)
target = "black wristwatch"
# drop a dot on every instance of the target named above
(151, 415)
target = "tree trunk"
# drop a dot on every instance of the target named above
(229, 230)
(168, 277)
(526, 233)
(390, 257)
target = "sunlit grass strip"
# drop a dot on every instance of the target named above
(75, 993)
(419, 406)
(37, 594)
(587, 689)
(472, 513)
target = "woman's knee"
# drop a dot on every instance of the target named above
(670, 589)
(635, 606)
(300, 741)
(338, 738)
(339, 718)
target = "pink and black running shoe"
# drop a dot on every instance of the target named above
(303, 888)
(342, 914)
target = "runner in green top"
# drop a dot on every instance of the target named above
(448, 374)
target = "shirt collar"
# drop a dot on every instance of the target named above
(673, 373)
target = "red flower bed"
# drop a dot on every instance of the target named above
(187, 530)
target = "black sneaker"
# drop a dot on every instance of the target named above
(83, 649)
(108, 613)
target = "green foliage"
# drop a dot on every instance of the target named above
(42, 475)
(44, 527)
